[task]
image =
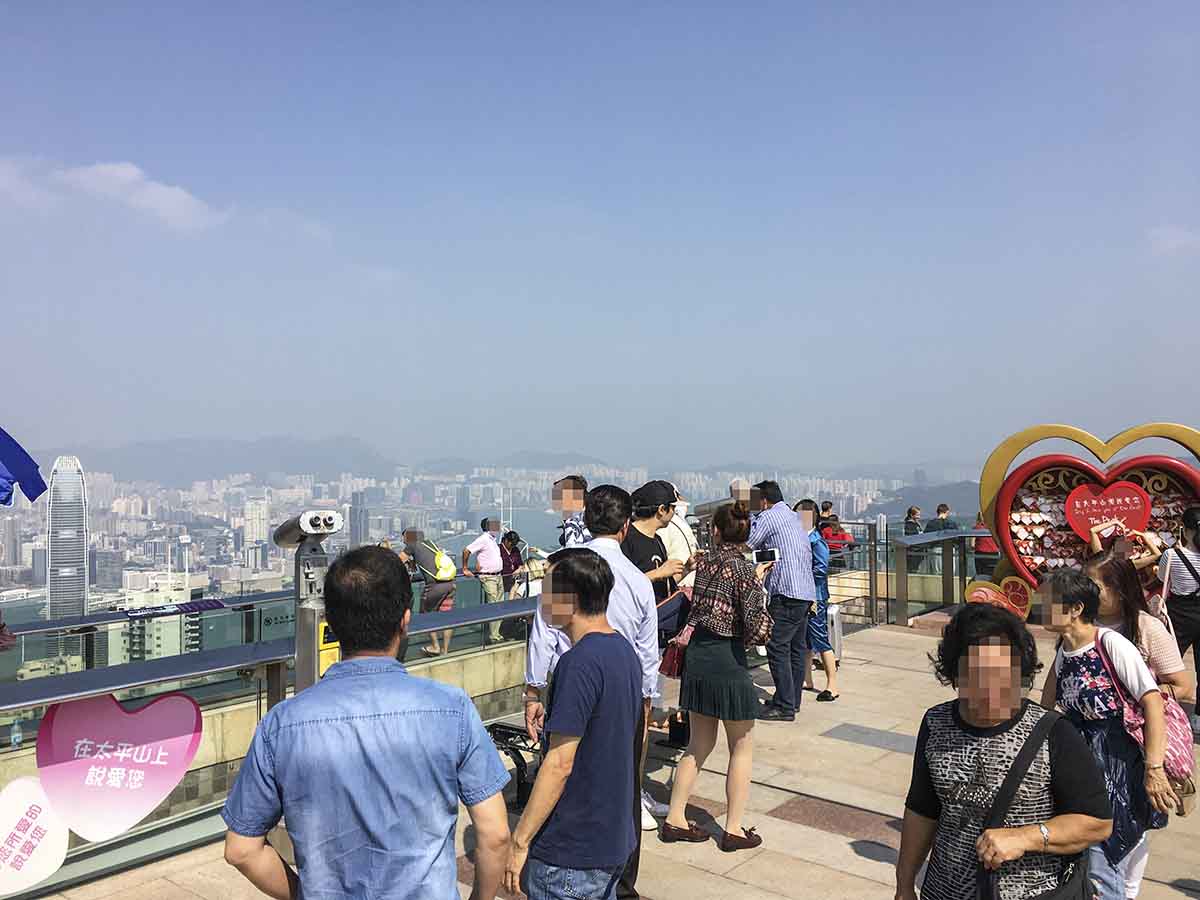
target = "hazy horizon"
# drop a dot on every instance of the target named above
(858, 235)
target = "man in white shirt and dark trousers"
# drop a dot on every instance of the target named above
(633, 614)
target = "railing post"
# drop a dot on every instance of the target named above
(962, 570)
(902, 582)
(947, 572)
(276, 683)
(873, 571)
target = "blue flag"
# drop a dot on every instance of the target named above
(18, 467)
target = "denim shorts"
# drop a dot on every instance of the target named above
(542, 881)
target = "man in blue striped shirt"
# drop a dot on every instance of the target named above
(793, 594)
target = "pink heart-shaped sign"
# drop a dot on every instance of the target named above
(105, 769)
(33, 838)
(1090, 505)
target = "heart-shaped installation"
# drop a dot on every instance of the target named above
(1012, 594)
(105, 769)
(1079, 496)
(33, 838)
(1090, 505)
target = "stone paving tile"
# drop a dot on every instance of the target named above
(840, 819)
(155, 889)
(785, 877)
(215, 879)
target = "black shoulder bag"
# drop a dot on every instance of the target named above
(1076, 886)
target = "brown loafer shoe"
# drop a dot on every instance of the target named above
(748, 839)
(693, 834)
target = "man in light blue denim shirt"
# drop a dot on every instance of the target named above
(369, 765)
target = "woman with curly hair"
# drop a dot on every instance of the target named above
(964, 750)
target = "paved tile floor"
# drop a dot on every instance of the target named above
(827, 798)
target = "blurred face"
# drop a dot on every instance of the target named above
(567, 499)
(493, 526)
(681, 508)
(558, 602)
(1060, 614)
(989, 680)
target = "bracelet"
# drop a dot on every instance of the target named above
(1045, 836)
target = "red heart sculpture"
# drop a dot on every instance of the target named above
(1060, 541)
(1089, 505)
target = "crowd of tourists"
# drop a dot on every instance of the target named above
(1009, 798)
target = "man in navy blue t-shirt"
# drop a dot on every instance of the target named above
(577, 832)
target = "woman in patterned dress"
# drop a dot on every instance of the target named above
(1083, 688)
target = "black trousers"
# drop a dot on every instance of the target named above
(1185, 617)
(625, 887)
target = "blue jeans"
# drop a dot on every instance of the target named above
(1108, 879)
(542, 881)
(787, 649)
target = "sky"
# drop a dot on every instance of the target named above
(811, 234)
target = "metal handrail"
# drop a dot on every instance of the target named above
(184, 666)
(937, 537)
(113, 616)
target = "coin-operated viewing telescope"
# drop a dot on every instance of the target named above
(316, 647)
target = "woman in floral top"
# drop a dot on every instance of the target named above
(1082, 686)
(728, 614)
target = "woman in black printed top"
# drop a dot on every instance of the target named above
(965, 748)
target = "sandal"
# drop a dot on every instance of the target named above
(826, 697)
(429, 651)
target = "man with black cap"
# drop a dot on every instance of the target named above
(653, 509)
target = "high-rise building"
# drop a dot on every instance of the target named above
(360, 519)
(67, 541)
(12, 541)
(258, 521)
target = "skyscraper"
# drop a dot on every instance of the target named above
(360, 519)
(12, 541)
(66, 541)
(258, 521)
(67, 547)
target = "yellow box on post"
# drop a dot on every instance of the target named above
(331, 650)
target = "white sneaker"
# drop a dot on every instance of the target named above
(761, 650)
(649, 823)
(652, 806)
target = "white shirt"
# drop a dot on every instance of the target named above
(681, 544)
(1126, 661)
(1174, 573)
(632, 613)
(488, 552)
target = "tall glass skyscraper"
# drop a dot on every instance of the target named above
(67, 547)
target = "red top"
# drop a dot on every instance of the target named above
(837, 540)
(986, 545)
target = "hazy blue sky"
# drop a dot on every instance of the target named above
(876, 232)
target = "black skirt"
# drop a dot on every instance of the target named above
(716, 681)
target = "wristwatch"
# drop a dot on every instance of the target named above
(1045, 837)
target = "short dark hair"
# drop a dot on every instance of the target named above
(483, 524)
(367, 593)
(1068, 587)
(912, 511)
(826, 505)
(806, 504)
(606, 509)
(770, 491)
(976, 624)
(512, 537)
(943, 508)
(575, 481)
(588, 576)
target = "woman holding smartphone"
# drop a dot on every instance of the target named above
(728, 614)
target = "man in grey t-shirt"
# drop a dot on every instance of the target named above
(436, 596)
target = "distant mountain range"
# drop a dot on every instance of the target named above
(962, 496)
(180, 461)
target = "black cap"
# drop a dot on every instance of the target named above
(654, 494)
